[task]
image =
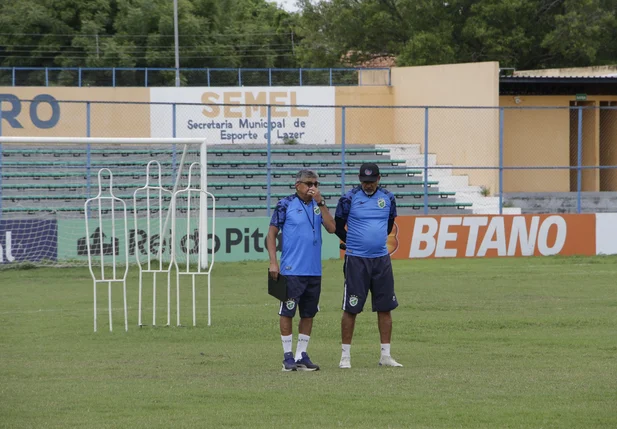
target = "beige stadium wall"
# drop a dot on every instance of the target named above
(536, 137)
(608, 144)
(599, 143)
(461, 137)
(108, 120)
(591, 148)
(548, 136)
(365, 125)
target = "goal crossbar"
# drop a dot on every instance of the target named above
(101, 140)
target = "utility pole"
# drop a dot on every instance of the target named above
(177, 49)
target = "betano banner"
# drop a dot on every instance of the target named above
(507, 235)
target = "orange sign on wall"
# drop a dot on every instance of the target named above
(492, 235)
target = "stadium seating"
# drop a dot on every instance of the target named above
(60, 179)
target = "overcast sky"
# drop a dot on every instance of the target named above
(288, 5)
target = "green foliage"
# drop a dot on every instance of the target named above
(289, 141)
(580, 33)
(523, 34)
(140, 33)
(345, 32)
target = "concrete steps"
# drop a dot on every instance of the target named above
(449, 181)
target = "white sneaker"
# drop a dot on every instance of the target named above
(345, 362)
(388, 361)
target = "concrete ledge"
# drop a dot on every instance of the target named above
(562, 202)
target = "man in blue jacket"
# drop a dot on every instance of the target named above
(299, 217)
(368, 211)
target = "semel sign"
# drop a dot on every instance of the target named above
(491, 236)
(245, 114)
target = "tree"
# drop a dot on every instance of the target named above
(350, 31)
(517, 33)
(140, 33)
(523, 34)
(580, 32)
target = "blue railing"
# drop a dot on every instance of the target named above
(157, 76)
(497, 125)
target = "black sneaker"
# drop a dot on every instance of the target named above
(289, 364)
(305, 364)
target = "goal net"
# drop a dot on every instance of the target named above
(45, 183)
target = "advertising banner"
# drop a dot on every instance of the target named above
(234, 240)
(28, 240)
(493, 235)
(64, 112)
(239, 114)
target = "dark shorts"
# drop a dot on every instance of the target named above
(303, 292)
(368, 274)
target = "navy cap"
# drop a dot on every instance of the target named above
(369, 172)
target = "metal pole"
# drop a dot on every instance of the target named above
(425, 183)
(501, 116)
(88, 154)
(203, 210)
(177, 49)
(0, 165)
(579, 161)
(343, 137)
(269, 161)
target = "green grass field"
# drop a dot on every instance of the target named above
(485, 343)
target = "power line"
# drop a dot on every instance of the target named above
(145, 57)
(30, 53)
(161, 52)
(144, 51)
(151, 46)
(226, 35)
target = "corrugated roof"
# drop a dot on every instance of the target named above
(558, 85)
(563, 78)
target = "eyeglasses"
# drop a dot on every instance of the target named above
(311, 184)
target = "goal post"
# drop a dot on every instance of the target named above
(45, 181)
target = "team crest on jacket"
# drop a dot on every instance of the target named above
(381, 203)
(317, 210)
